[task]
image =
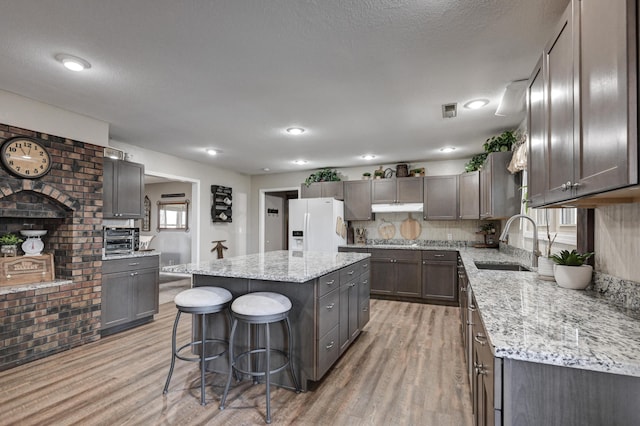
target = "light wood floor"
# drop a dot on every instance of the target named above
(406, 368)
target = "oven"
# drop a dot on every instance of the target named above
(120, 240)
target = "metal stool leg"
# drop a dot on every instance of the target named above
(231, 363)
(203, 329)
(173, 353)
(267, 370)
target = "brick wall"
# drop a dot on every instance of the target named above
(67, 202)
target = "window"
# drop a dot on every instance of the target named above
(173, 216)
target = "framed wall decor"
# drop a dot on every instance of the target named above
(146, 219)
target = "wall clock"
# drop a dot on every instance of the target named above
(25, 157)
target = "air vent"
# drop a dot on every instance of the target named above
(449, 110)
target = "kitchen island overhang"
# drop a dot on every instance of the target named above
(329, 293)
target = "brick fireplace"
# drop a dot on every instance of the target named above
(67, 202)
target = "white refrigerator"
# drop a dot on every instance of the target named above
(316, 224)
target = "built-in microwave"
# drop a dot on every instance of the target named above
(120, 240)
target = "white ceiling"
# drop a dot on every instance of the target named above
(363, 76)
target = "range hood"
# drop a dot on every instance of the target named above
(396, 207)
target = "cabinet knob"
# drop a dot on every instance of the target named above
(480, 339)
(330, 307)
(330, 345)
(330, 282)
(133, 274)
(134, 264)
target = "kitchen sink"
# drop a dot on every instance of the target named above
(502, 267)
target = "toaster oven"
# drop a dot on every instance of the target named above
(120, 240)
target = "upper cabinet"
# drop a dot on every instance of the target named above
(441, 198)
(323, 189)
(123, 189)
(400, 190)
(499, 189)
(469, 195)
(588, 134)
(357, 200)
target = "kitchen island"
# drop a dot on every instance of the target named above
(329, 293)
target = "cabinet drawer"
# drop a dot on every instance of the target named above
(409, 255)
(328, 351)
(349, 273)
(328, 312)
(440, 255)
(327, 283)
(364, 266)
(130, 264)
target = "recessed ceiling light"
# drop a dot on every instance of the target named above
(266, 169)
(447, 149)
(212, 152)
(300, 162)
(368, 157)
(73, 63)
(476, 103)
(295, 131)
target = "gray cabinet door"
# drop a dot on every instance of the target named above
(439, 281)
(485, 190)
(469, 195)
(146, 288)
(344, 316)
(357, 200)
(409, 190)
(382, 272)
(364, 291)
(536, 116)
(408, 274)
(354, 308)
(314, 190)
(383, 191)
(499, 190)
(332, 190)
(606, 152)
(441, 197)
(559, 70)
(123, 189)
(116, 299)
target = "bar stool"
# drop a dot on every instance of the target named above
(260, 308)
(199, 301)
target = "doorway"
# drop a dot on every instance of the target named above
(274, 218)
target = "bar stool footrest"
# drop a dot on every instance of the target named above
(258, 351)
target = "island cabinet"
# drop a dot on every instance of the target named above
(469, 195)
(328, 312)
(396, 272)
(400, 190)
(440, 276)
(123, 189)
(499, 190)
(130, 292)
(487, 371)
(357, 200)
(440, 198)
(591, 142)
(323, 190)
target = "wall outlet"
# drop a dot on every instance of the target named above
(449, 237)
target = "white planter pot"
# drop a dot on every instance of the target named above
(574, 277)
(545, 268)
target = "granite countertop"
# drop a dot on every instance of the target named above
(288, 266)
(34, 286)
(135, 254)
(529, 319)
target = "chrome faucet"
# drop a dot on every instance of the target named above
(504, 237)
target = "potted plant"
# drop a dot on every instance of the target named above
(323, 175)
(366, 175)
(570, 270)
(379, 173)
(476, 162)
(417, 172)
(500, 143)
(9, 244)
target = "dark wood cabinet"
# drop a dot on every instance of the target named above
(130, 292)
(396, 272)
(483, 386)
(351, 278)
(357, 200)
(536, 123)
(440, 276)
(591, 142)
(400, 190)
(499, 190)
(441, 198)
(323, 190)
(123, 189)
(469, 195)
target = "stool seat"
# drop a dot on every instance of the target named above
(261, 304)
(202, 297)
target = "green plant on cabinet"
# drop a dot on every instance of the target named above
(323, 175)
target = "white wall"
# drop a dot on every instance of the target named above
(23, 112)
(234, 233)
(294, 179)
(174, 246)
